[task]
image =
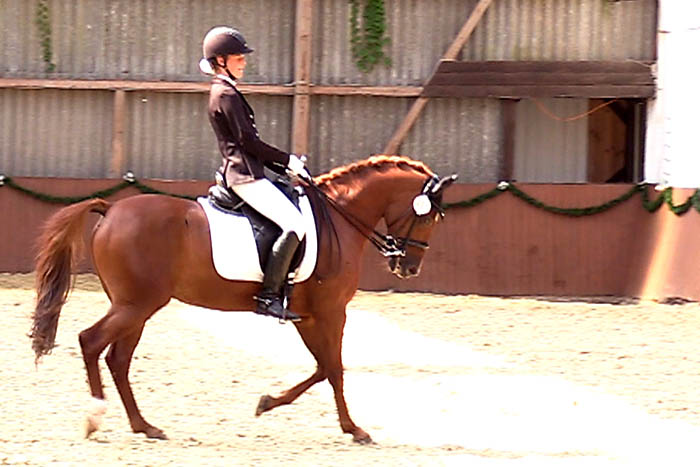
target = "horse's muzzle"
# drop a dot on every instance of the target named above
(403, 267)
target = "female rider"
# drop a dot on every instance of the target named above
(244, 157)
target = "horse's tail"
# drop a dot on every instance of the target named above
(58, 248)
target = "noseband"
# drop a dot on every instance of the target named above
(387, 245)
(399, 248)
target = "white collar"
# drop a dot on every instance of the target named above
(227, 79)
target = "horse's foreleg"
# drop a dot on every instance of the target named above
(335, 377)
(268, 402)
(324, 340)
(119, 360)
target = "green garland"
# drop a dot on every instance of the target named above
(129, 181)
(666, 197)
(43, 24)
(367, 42)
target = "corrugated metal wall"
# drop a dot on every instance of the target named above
(565, 30)
(55, 133)
(460, 136)
(167, 134)
(452, 135)
(144, 39)
(549, 150)
(160, 39)
(420, 32)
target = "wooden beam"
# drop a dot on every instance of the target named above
(562, 66)
(508, 79)
(533, 90)
(386, 91)
(392, 146)
(535, 78)
(302, 77)
(117, 164)
(127, 85)
(466, 30)
(399, 135)
(203, 87)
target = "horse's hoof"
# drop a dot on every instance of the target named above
(263, 405)
(90, 427)
(155, 433)
(361, 437)
(152, 432)
(97, 409)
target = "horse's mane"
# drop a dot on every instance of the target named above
(346, 175)
(378, 162)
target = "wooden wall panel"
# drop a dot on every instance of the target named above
(501, 247)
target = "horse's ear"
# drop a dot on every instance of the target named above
(443, 183)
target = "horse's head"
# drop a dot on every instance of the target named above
(410, 221)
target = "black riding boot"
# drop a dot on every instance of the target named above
(276, 270)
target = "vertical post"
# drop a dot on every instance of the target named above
(302, 77)
(116, 167)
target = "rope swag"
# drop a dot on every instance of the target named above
(129, 181)
(666, 197)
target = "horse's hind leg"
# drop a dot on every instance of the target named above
(118, 323)
(119, 360)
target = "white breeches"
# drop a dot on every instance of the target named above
(269, 201)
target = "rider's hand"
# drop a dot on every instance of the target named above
(296, 167)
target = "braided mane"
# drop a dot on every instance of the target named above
(378, 162)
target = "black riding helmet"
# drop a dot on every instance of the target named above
(219, 42)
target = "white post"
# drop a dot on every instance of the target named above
(673, 133)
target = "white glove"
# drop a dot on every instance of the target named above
(296, 166)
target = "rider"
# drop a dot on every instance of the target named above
(244, 157)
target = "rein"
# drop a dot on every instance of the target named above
(386, 244)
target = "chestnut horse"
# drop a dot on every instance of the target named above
(147, 249)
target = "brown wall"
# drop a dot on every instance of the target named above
(507, 247)
(501, 247)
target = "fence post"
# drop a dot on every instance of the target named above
(116, 166)
(302, 77)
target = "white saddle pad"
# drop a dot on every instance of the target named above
(233, 246)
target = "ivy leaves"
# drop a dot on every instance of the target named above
(43, 24)
(368, 39)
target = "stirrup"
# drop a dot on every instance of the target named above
(273, 307)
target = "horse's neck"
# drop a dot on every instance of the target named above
(367, 199)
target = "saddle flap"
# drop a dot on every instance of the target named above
(241, 240)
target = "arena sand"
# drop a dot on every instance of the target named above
(436, 380)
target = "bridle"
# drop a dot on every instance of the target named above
(386, 244)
